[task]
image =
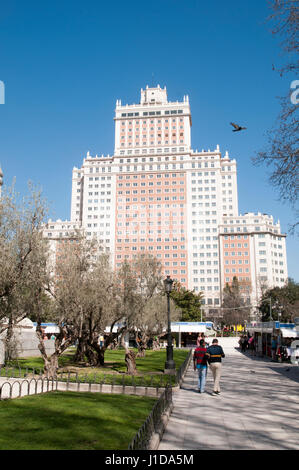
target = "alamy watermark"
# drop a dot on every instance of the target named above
(295, 94)
(2, 92)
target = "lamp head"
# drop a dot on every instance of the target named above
(168, 284)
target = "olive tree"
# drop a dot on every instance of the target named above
(21, 244)
(79, 287)
(151, 322)
(141, 295)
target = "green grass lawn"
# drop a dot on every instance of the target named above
(154, 361)
(72, 421)
(150, 368)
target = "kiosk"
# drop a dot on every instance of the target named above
(264, 332)
(187, 332)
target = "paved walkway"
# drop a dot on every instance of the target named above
(258, 408)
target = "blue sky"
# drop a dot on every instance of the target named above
(64, 64)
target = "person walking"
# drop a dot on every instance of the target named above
(273, 348)
(251, 345)
(205, 339)
(243, 343)
(215, 354)
(200, 364)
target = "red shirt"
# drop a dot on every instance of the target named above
(200, 356)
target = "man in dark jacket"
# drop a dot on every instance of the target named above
(215, 354)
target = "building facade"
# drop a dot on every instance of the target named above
(157, 195)
(253, 248)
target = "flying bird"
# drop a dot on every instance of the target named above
(237, 127)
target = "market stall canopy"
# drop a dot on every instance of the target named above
(25, 323)
(49, 328)
(188, 327)
(289, 333)
(52, 330)
(115, 328)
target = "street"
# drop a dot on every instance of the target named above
(258, 407)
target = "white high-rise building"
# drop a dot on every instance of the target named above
(152, 124)
(158, 195)
(253, 248)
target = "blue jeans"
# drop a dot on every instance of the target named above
(202, 375)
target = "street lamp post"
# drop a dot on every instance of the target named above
(270, 305)
(169, 364)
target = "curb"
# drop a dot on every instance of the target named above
(157, 436)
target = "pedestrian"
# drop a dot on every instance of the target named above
(251, 345)
(200, 337)
(273, 348)
(200, 364)
(205, 339)
(198, 340)
(215, 354)
(288, 351)
(242, 343)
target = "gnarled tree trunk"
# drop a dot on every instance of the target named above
(81, 350)
(110, 342)
(51, 362)
(9, 341)
(96, 354)
(130, 357)
(141, 341)
(156, 342)
(51, 366)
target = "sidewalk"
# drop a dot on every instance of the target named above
(257, 410)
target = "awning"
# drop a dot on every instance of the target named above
(52, 329)
(289, 333)
(188, 327)
(260, 330)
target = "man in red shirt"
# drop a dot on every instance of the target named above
(200, 364)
